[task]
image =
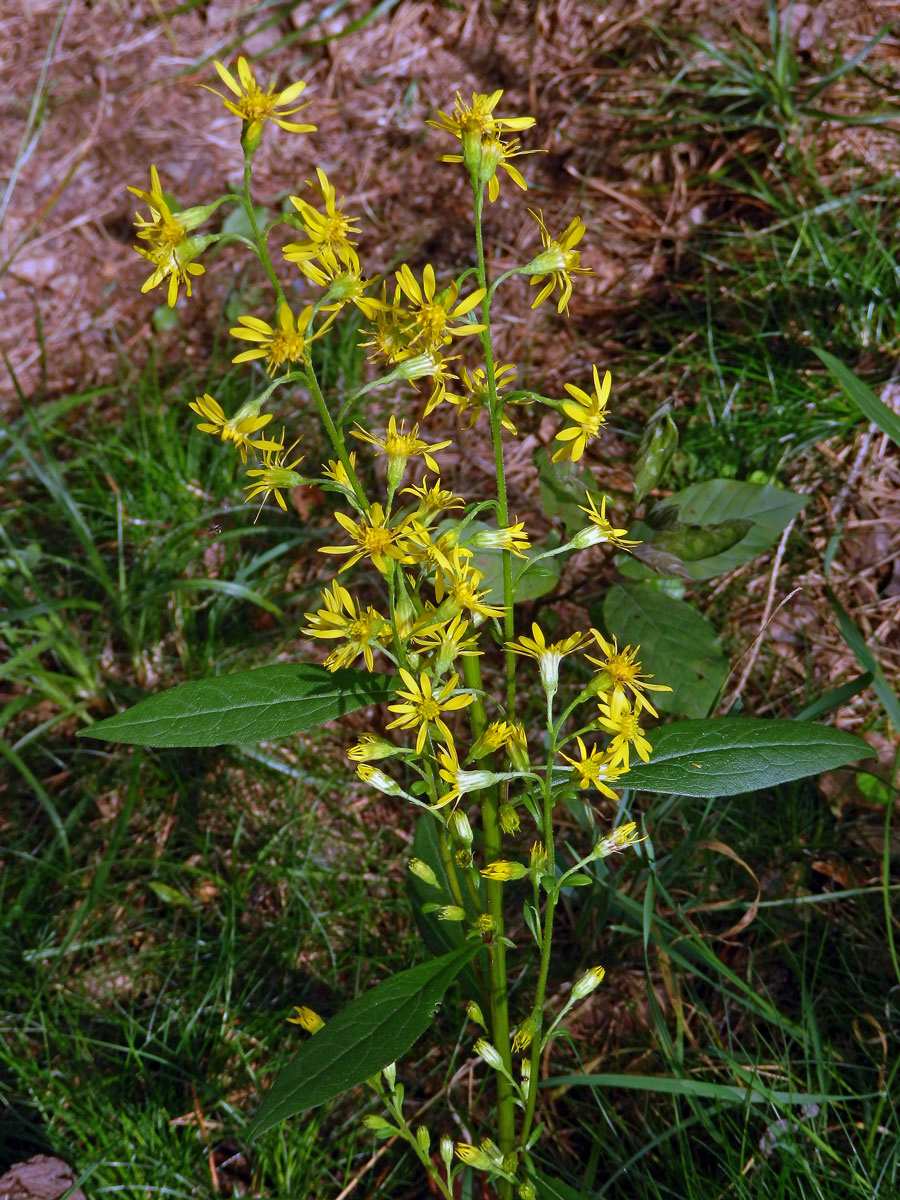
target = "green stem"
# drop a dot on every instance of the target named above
(496, 415)
(337, 440)
(260, 240)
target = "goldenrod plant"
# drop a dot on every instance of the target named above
(455, 747)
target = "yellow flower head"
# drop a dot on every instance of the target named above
(169, 247)
(399, 446)
(600, 531)
(477, 398)
(374, 538)
(620, 669)
(423, 708)
(328, 232)
(621, 837)
(594, 768)
(495, 736)
(337, 472)
(504, 871)
(558, 262)
(512, 538)
(433, 500)
(391, 339)
(276, 473)
(307, 1019)
(342, 618)
(254, 106)
(446, 641)
(588, 416)
(432, 312)
(237, 430)
(548, 657)
(478, 117)
(460, 587)
(286, 344)
(340, 274)
(618, 718)
(461, 782)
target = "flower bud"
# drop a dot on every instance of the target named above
(379, 1125)
(423, 1137)
(370, 748)
(378, 780)
(474, 1013)
(588, 983)
(509, 819)
(422, 871)
(524, 1035)
(447, 1150)
(490, 1054)
(390, 1075)
(526, 1191)
(517, 748)
(486, 923)
(307, 1019)
(474, 1156)
(503, 871)
(451, 912)
(460, 827)
(615, 843)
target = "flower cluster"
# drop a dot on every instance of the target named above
(441, 591)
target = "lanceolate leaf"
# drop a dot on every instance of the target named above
(863, 397)
(253, 706)
(375, 1029)
(678, 646)
(729, 755)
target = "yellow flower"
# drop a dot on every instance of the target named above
(616, 842)
(478, 399)
(600, 531)
(341, 276)
(399, 446)
(343, 618)
(237, 430)
(275, 474)
(495, 153)
(254, 106)
(329, 232)
(558, 262)
(170, 250)
(374, 539)
(461, 782)
(524, 1035)
(307, 1019)
(548, 657)
(434, 554)
(619, 669)
(286, 344)
(431, 313)
(504, 871)
(433, 500)
(424, 708)
(446, 641)
(392, 336)
(369, 747)
(588, 415)
(460, 587)
(619, 720)
(495, 736)
(594, 768)
(337, 472)
(589, 982)
(512, 538)
(478, 117)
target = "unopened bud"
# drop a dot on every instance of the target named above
(379, 1125)
(509, 819)
(451, 912)
(447, 1150)
(377, 779)
(489, 1053)
(423, 1137)
(460, 827)
(390, 1074)
(422, 871)
(504, 871)
(474, 1013)
(588, 983)
(524, 1035)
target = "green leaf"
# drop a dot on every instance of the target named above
(678, 646)
(755, 1091)
(659, 443)
(554, 1188)
(237, 221)
(253, 706)
(726, 756)
(857, 643)
(168, 895)
(693, 543)
(863, 397)
(375, 1029)
(719, 501)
